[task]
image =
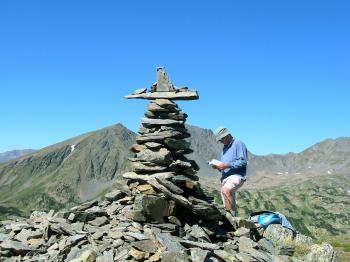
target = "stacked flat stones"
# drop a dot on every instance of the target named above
(160, 164)
(162, 145)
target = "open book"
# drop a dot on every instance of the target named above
(214, 162)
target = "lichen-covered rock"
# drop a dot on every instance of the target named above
(276, 232)
(321, 253)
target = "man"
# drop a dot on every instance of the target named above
(233, 167)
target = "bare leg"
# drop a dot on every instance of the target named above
(229, 200)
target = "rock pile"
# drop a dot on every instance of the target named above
(138, 223)
(159, 212)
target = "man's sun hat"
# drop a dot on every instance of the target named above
(221, 132)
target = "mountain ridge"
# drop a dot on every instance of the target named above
(13, 154)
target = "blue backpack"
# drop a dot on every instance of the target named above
(265, 218)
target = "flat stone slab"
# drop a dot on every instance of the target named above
(160, 136)
(135, 176)
(169, 241)
(160, 122)
(202, 245)
(183, 95)
(16, 247)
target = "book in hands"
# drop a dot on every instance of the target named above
(214, 162)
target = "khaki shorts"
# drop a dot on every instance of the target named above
(233, 183)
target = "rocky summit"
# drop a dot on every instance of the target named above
(159, 212)
(157, 217)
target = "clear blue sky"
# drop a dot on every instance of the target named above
(277, 73)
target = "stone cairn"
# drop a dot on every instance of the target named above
(159, 213)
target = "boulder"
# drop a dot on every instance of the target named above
(321, 253)
(277, 232)
(15, 247)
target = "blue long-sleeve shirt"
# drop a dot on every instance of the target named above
(235, 154)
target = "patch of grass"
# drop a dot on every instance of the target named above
(300, 249)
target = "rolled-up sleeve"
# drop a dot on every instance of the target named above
(241, 156)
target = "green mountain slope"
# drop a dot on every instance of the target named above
(66, 173)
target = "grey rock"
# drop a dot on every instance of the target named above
(108, 256)
(71, 217)
(167, 227)
(155, 108)
(162, 156)
(277, 233)
(176, 198)
(146, 167)
(169, 185)
(303, 239)
(160, 136)
(153, 145)
(205, 210)
(174, 115)
(73, 253)
(286, 250)
(62, 229)
(165, 103)
(198, 233)
(190, 244)
(122, 255)
(242, 222)
(139, 91)
(16, 247)
(4, 237)
(137, 177)
(99, 221)
(170, 242)
(198, 254)
(161, 122)
(85, 256)
(174, 220)
(173, 95)
(136, 215)
(321, 253)
(242, 231)
(17, 226)
(26, 234)
(177, 144)
(174, 256)
(115, 195)
(267, 246)
(77, 227)
(38, 216)
(244, 257)
(154, 208)
(261, 255)
(84, 206)
(149, 246)
(74, 239)
(137, 236)
(246, 244)
(226, 256)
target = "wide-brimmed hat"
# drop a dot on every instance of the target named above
(221, 132)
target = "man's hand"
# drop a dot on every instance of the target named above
(221, 166)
